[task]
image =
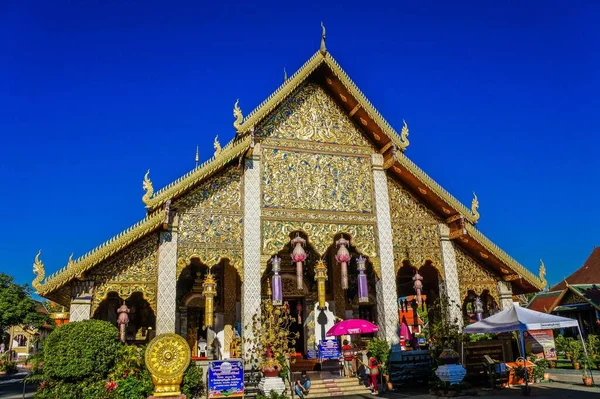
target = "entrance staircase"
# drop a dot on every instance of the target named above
(323, 385)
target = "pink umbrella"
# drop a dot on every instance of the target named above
(351, 327)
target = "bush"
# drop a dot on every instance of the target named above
(8, 366)
(192, 385)
(79, 350)
(380, 349)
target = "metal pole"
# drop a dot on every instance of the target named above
(586, 355)
(524, 361)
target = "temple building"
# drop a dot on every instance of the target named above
(577, 296)
(316, 189)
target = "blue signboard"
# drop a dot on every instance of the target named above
(225, 378)
(329, 349)
(312, 354)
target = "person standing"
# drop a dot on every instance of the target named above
(302, 384)
(373, 366)
(348, 354)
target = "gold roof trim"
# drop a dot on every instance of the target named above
(101, 252)
(231, 151)
(403, 160)
(281, 93)
(504, 257)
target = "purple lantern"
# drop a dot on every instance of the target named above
(363, 290)
(276, 281)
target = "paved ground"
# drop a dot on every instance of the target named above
(549, 390)
(11, 387)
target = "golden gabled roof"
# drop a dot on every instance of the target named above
(232, 150)
(504, 257)
(76, 267)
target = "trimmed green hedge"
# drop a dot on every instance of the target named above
(76, 351)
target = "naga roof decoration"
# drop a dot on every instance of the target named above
(232, 150)
(75, 268)
(244, 140)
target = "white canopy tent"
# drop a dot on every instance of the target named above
(521, 319)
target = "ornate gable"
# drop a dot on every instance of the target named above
(415, 231)
(473, 276)
(133, 269)
(311, 114)
(211, 221)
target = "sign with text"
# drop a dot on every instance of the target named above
(225, 378)
(329, 349)
(540, 344)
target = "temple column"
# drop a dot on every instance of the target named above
(251, 289)
(505, 294)
(450, 284)
(166, 292)
(81, 302)
(387, 302)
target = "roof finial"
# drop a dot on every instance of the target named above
(284, 75)
(149, 190)
(404, 136)
(197, 156)
(542, 273)
(38, 270)
(237, 113)
(323, 48)
(475, 207)
(217, 145)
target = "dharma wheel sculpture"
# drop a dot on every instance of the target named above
(167, 357)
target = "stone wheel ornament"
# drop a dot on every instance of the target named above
(167, 357)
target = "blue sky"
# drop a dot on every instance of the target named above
(501, 99)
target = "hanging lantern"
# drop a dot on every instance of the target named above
(298, 256)
(363, 289)
(343, 256)
(277, 293)
(321, 276)
(209, 290)
(418, 286)
(299, 312)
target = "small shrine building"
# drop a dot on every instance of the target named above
(314, 174)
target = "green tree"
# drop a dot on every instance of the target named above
(17, 306)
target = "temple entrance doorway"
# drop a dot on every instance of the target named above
(211, 333)
(419, 302)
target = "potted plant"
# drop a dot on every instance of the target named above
(592, 344)
(586, 374)
(380, 349)
(539, 371)
(575, 349)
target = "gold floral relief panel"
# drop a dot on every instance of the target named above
(473, 276)
(417, 243)
(311, 114)
(276, 234)
(138, 262)
(211, 229)
(313, 181)
(219, 192)
(403, 205)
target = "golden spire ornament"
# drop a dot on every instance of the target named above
(323, 48)
(404, 136)
(217, 145)
(475, 207)
(285, 77)
(321, 277)
(239, 117)
(209, 290)
(39, 271)
(542, 274)
(147, 186)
